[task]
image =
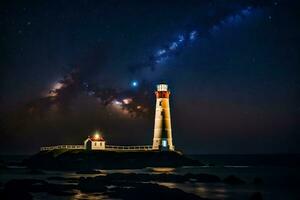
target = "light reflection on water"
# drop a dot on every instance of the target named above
(78, 196)
(144, 170)
(123, 171)
(90, 196)
(166, 170)
(214, 191)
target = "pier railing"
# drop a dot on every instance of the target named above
(62, 147)
(107, 147)
(128, 148)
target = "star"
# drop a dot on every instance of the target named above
(134, 83)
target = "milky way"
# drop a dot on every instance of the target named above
(185, 39)
(137, 99)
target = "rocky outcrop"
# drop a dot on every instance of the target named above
(83, 160)
(120, 178)
(122, 189)
(21, 189)
(132, 187)
(150, 191)
(256, 196)
(233, 180)
(258, 181)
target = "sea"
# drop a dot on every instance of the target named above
(280, 174)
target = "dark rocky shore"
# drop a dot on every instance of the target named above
(116, 185)
(121, 190)
(89, 160)
(127, 186)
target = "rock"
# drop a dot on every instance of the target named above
(88, 172)
(174, 178)
(15, 163)
(150, 191)
(101, 183)
(256, 196)
(61, 189)
(25, 185)
(7, 194)
(258, 181)
(62, 193)
(2, 165)
(203, 178)
(35, 172)
(21, 186)
(34, 185)
(91, 185)
(233, 180)
(59, 178)
(133, 177)
(56, 178)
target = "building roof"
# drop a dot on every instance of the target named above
(93, 138)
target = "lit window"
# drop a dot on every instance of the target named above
(164, 143)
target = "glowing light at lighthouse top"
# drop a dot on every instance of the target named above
(162, 87)
(162, 91)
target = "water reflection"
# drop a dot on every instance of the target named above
(162, 169)
(211, 191)
(144, 170)
(89, 196)
(123, 171)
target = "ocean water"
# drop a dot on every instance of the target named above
(280, 175)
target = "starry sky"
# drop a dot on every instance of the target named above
(69, 68)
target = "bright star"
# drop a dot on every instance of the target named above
(134, 83)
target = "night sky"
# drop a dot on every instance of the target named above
(69, 68)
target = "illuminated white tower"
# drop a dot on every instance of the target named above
(162, 139)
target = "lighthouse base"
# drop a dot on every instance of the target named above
(162, 144)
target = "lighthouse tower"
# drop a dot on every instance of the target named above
(162, 139)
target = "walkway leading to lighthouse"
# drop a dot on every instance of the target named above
(129, 148)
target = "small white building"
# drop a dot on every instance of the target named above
(96, 142)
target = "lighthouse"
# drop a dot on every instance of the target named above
(162, 139)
